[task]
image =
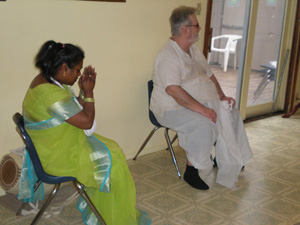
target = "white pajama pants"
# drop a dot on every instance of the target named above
(197, 134)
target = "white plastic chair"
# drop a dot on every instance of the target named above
(229, 48)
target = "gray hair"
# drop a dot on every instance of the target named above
(180, 18)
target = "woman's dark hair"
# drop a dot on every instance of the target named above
(53, 54)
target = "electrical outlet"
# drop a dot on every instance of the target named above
(198, 9)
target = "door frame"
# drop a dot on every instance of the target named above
(290, 98)
(207, 29)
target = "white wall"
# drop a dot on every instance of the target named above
(120, 40)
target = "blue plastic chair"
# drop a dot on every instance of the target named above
(46, 178)
(157, 126)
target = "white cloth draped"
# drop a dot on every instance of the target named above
(232, 147)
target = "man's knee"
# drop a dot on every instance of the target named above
(209, 126)
(204, 129)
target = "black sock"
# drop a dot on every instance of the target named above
(192, 177)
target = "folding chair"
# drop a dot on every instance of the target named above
(46, 178)
(157, 125)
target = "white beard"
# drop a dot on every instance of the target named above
(194, 39)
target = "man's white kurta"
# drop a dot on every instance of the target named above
(197, 134)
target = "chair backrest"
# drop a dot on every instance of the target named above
(232, 47)
(38, 168)
(230, 40)
(151, 115)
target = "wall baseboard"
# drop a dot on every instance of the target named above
(149, 150)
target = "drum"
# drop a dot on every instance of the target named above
(10, 172)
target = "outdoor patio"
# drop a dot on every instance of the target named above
(228, 82)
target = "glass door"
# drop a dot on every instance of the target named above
(251, 72)
(264, 75)
(227, 24)
(266, 49)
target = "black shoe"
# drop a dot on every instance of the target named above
(192, 177)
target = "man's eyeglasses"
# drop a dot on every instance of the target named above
(194, 25)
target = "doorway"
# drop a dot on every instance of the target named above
(253, 73)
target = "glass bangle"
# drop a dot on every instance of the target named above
(89, 100)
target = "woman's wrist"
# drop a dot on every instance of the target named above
(92, 100)
(81, 94)
(89, 94)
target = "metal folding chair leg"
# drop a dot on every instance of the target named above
(172, 151)
(42, 210)
(145, 142)
(80, 189)
(173, 140)
(266, 79)
(261, 89)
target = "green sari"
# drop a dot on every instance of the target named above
(96, 162)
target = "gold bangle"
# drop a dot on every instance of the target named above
(81, 95)
(89, 100)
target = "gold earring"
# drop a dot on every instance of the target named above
(64, 74)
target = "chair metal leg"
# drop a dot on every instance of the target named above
(36, 186)
(145, 142)
(80, 189)
(173, 140)
(263, 81)
(42, 210)
(261, 89)
(172, 152)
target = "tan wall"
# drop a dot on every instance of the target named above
(120, 40)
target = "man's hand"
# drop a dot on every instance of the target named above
(210, 114)
(229, 100)
(186, 100)
(221, 93)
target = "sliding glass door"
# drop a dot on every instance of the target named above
(266, 51)
(253, 32)
(227, 23)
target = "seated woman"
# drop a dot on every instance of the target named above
(61, 126)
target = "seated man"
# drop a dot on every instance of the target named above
(188, 99)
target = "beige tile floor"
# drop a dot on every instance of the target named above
(269, 187)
